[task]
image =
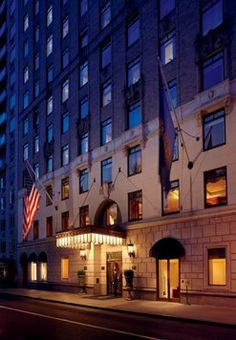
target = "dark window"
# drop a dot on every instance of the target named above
(65, 221)
(49, 133)
(215, 187)
(84, 38)
(65, 27)
(172, 85)
(84, 108)
(213, 71)
(26, 100)
(168, 48)
(166, 6)
(106, 170)
(49, 163)
(216, 267)
(84, 216)
(83, 181)
(36, 34)
(135, 115)
(171, 201)
(36, 230)
(134, 160)
(65, 155)
(26, 48)
(50, 194)
(214, 130)
(65, 91)
(106, 131)
(49, 105)
(65, 57)
(105, 15)
(176, 148)
(83, 74)
(36, 88)
(50, 74)
(106, 55)
(212, 15)
(65, 188)
(83, 7)
(106, 93)
(36, 118)
(25, 126)
(65, 122)
(36, 61)
(83, 143)
(133, 32)
(135, 205)
(49, 226)
(133, 72)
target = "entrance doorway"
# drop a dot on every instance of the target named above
(168, 282)
(114, 276)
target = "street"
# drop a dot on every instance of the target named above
(22, 318)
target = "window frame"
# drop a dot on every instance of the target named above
(107, 123)
(134, 196)
(204, 118)
(166, 41)
(84, 214)
(103, 11)
(204, 9)
(206, 206)
(211, 249)
(65, 188)
(130, 24)
(173, 185)
(65, 155)
(134, 151)
(106, 96)
(209, 62)
(106, 163)
(83, 176)
(131, 109)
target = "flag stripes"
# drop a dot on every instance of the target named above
(31, 205)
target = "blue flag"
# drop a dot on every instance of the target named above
(167, 135)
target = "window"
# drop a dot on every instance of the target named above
(65, 91)
(215, 186)
(213, 71)
(176, 148)
(134, 161)
(84, 216)
(35, 118)
(36, 7)
(106, 93)
(84, 108)
(106, 171)
(217, 267)
(36, 34)
(83, 7)
(110, 215)
(65, 122)
(166, 6)
(49, 163)
(49, 133)
(26, 74)
(106, 131)
(171, 200)
(25, 126)
(105, 15)
(33, 271)
(49, 16)
(172, 85)
(65, 27)
(65, 188)
(26, 22)
(83, 181)
(49, 45)
(64, 268)
(49, 195)
(36, 88)
(84, 38)
(65, 57)
(65, 155)
(214, 130)
(135, 205)
(43, 271)
(25, 152)
(106, 55)
(84, 143)
(49, 105)
(133, 33)
(133, 72)
(212, 15)
(50, 74)
(168, 48)
(25, 49)
(36, 170)
(13, 102)
(135, 115)
(49, 226)
(83, 74)
(65, 221)
(36, 230)
(36, 61)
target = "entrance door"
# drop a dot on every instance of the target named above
(168, 273)
(114, 278)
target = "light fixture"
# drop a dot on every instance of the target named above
(82, 254)
(130, 247)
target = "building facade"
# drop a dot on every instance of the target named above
(88, 126)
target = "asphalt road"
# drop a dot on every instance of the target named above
(31, 319)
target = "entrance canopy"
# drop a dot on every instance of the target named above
(167, 248)
(90, 234)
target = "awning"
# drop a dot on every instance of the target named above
(89, 234)
(167, 248)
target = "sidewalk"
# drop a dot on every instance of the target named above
(203, 313)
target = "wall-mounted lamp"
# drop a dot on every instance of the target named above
(82, 254)
(130, 247)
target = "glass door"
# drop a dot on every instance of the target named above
(168, 279)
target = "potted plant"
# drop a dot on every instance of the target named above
(129, 275)
(81, 277)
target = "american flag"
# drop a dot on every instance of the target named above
(31, 204)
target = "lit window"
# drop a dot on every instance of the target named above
(135, 202)
(172, 85)
(65, 221)
(110, 215)
(84, 216)
(49, 163)
(84, 38)
(106, 171)
(84, 74)
(26, 74)
(217, 267)
(135, 115)
(65, 91)
(214, 129)
(83, 7)
(36, 144)
(133, 72)
(65, 57)
(84, 143)
(166, 6)
(49, 16)
(65, 155)
(25, 152)
(83, 181)
(212, 15)
(215, 185)
(49, 105)
(168, 48)
(106, 55)
(49, 133)
(65, 27)
(133, 32)
(36, 170)
(65, 122)
(171, 200)
(25, 126)
(43, 271)
(49, 45)
(26, 22)
(49, 195)
(49, 226)
(106, 131)
(84, 108)
(105, 15)
(65, 188)
(134, 161)
(33, 271)
(213, 71)
(106, 93)
(64, 268)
